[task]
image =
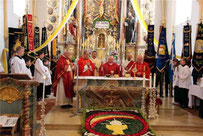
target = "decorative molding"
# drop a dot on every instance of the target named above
(10, 94)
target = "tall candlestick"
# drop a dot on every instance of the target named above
(143, 79)
(150, 81)
(78, 48)
(43, 95)
(154, 80)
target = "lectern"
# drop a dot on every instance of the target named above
(18, 96)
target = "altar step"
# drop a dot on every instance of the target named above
(187, 128)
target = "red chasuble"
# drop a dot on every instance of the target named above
(130, 64)
(141, 67)
(81, 64)
(107, 68)
(61, 72)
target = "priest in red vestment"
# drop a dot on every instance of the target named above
(140, 67)
(109, 67)
(85, 65)
(63, 81)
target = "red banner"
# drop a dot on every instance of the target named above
(30, 32)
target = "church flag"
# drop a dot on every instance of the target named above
(162, 53)
(187, 50)
(30, 32)
(150, 52)
(36, 37)
(172, 57)
(44, 38)
(197, 60)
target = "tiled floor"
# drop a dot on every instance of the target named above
(171, 117)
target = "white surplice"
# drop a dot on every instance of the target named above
(18, 66)
(39, 71)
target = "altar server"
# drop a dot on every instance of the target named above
(176, 81)
(18, 65)
(184, 76)
(96, 62)
(127, 65)
(140, 67)
(48, 82)
(39, 73)
(63, 81)
(109, 67)
(28, 64)
(85, 65)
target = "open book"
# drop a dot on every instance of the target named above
(6, 121)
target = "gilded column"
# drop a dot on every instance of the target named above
(5, 23)
(79, 27)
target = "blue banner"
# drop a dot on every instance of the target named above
(162, 53)
(172, 57)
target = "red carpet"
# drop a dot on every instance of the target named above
(49, 105)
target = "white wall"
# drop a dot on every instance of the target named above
(41, 13)
(1, 28)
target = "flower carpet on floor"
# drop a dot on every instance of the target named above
(111, 122)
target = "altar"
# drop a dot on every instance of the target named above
(109, 92)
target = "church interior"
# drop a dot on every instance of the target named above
(101, 67)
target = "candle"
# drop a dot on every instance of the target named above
(43, 95)
(78, 48)
(143, 79)
(154, 80)
(150, 81)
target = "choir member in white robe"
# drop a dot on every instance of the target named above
(96, 62)
(48, 82)
(1, 68)
(18, 65)
(184, 76)
(39, 74)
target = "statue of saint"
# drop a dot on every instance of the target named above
(130, 29)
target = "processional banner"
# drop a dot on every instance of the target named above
(187, 50)
(150, 52)
(197, 60)
(162, 53)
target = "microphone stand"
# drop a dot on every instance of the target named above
(76, 113)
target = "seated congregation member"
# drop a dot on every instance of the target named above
(85, 65)
(127, 65)
(63, 81)
(140, 67)
(184, 76)
(176, 81)
(28, 64)
(109, 67)
(48, 83)
(39, 73)
(18, 65)
(96, 62)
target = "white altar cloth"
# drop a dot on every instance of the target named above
(194, 90)
(109, 78)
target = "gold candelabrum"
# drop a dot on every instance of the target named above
(152, 111)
